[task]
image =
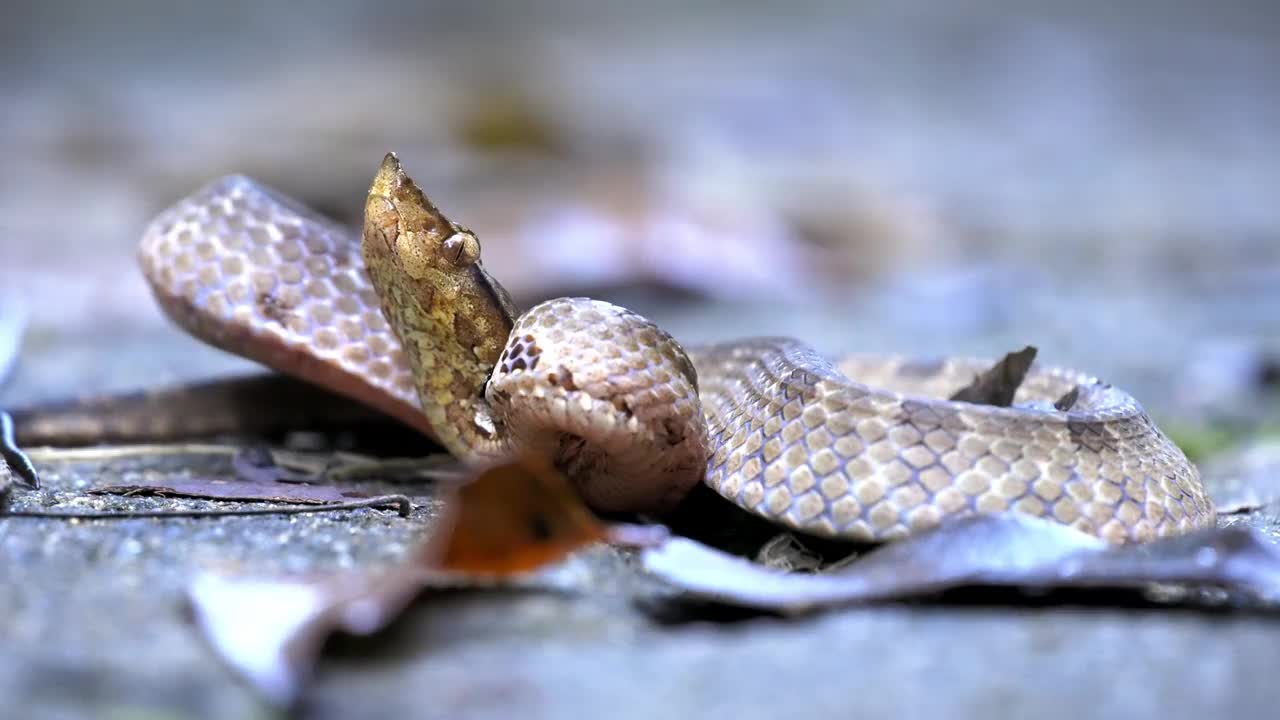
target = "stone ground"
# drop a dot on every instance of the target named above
(1094, 183)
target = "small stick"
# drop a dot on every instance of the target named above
(87, 454)
(14, 456)
(403, 503)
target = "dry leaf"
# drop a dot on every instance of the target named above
(998, 385)
(511, 519)
(271, 631)
(993, 550)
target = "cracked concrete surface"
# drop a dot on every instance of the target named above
(1002, 174)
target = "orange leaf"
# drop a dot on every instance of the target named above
(512, 518)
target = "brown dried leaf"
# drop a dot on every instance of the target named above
(989, 550)
(512, 518)
(998, 385)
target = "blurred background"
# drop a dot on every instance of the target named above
(879, 176)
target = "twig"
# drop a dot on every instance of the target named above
(54, 454)
(13, 455)
(403, 503)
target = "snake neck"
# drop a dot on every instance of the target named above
(451, 316)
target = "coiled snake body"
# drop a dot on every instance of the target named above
(408, 321)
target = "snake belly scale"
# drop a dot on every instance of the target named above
(406, 319)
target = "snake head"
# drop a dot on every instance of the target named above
(408, 243)
(452, 317)
(414, 234)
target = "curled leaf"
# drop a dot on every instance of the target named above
(271, 630)
(995, 550)
(510, 519)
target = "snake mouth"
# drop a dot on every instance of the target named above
(376, 227)
(570, 452)
(586, 465)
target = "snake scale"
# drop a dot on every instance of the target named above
(407, 320)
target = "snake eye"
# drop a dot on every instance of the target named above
(462, 249)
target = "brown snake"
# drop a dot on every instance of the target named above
(409, 322)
